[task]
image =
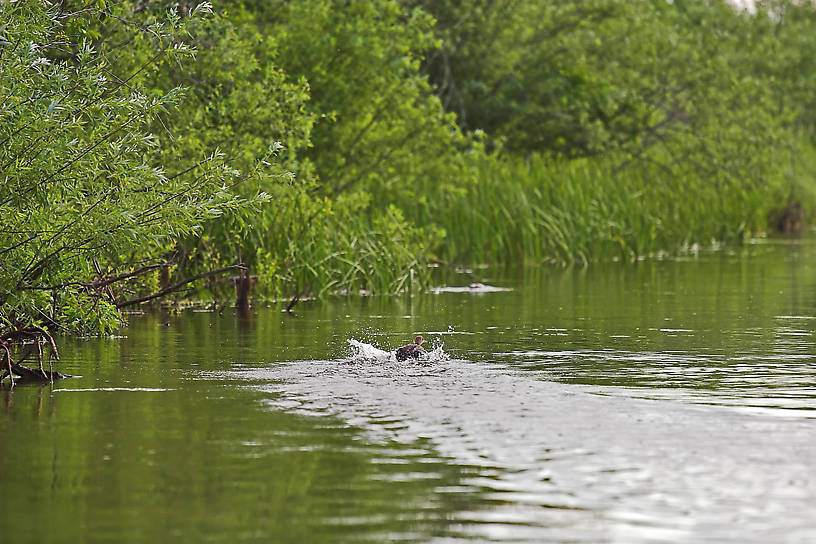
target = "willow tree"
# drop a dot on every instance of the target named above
(338, 84)
(84, 208)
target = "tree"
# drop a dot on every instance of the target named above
(83, 207)
(601, 76)
(354, 117)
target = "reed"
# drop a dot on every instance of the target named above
(348, 248)
(544, 209)
(505, 209)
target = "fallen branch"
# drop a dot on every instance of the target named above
(26, 374)
(102, 282)
(296, 298)
(292, 303)
(178, 285)
(29, 375)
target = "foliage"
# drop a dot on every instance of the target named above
(680, 97)
(782, 40)
(261, 80)
(602, 76)
(539, 209)
(377, 113)
(80, 198)
(342, 146)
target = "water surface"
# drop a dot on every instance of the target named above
(665, 401)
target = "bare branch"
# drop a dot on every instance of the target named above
(178, 285)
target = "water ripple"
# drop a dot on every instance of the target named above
(547, 457)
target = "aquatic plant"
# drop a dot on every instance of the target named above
(548, 209)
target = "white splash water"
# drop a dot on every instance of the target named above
(362, 352)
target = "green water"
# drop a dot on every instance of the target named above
(666, 401)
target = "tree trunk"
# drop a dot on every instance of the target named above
(243, 288)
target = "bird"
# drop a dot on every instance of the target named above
(411, 351)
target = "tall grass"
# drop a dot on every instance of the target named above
(346, 248)
(506, 209)
(541, 209)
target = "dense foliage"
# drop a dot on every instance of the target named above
(82, 194)
(337, 146)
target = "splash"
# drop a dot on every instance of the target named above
(362, 352)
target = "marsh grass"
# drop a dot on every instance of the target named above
(501, 209)
(541, 209)
(348, 249)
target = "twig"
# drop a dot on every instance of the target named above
(101, 282)
(292, 303)
(296, 298)
(39, 355)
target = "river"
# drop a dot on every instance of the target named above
(663, 401)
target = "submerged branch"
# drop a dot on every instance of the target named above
(26, 374)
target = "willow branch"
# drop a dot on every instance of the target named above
(178, 285)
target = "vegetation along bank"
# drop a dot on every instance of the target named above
(291, 149)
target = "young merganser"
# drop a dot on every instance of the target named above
(411, 351)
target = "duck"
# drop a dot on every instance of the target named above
(411, 351)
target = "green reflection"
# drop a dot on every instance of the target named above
(197, 459)
(153, 442)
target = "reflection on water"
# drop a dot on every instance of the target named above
(669, 401)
